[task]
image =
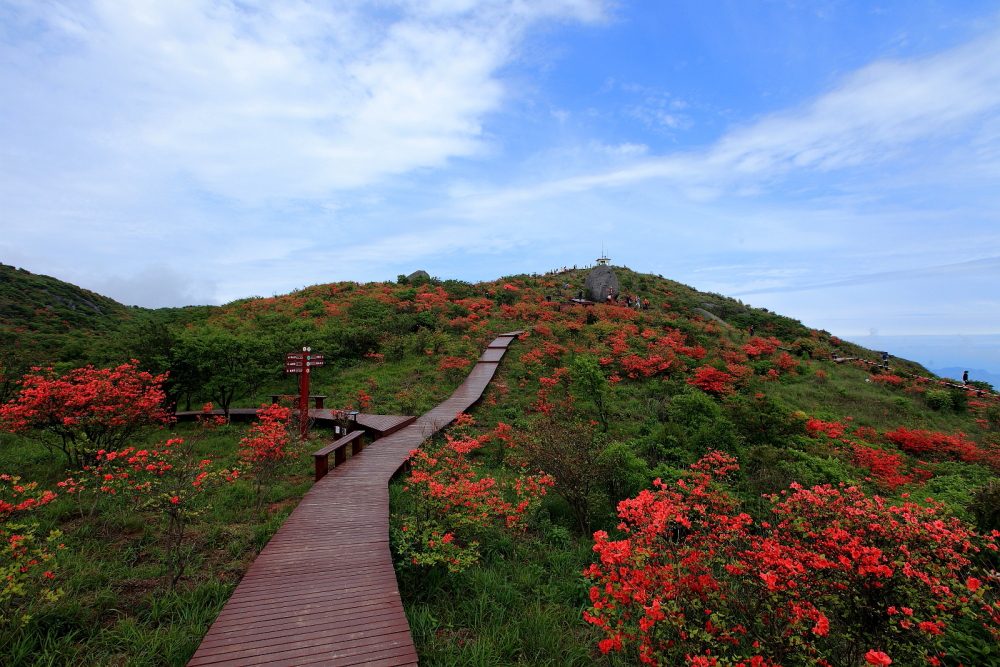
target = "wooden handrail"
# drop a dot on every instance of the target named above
(295, 398)
(321, 457)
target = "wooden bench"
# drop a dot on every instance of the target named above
(295, 399)
(321, 457)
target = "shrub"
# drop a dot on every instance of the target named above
(837, 579)
(456, 504)
(265, 449)
(86, 410)
(26, 558)
(938, 399)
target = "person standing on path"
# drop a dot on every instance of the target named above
(965, 377)
(885, 360)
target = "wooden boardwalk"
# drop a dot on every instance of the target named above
(323, 591)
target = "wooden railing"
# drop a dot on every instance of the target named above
(321, 457)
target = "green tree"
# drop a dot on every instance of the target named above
(230, 366)
(158, 348)
(590, 381)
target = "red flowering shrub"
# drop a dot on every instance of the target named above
(26, 559)
(830, 429)
(835, 575)
(785, 362)
(448, 363)
(886, 466)
(87, 409)
(265, 448)
(713, 381)
(457, 504)
(167, 479)
(931, 444)
(758, 346)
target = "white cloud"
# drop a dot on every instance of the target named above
(155, 286)
(258, 101)
(873, 116)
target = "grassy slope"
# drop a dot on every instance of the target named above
(522, 603)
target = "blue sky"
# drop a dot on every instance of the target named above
(838, 162)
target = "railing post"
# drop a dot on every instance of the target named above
(322, 466)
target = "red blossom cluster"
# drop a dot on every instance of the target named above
(830, 429)
(265, 448)
(458, 502)
(268, 437)
(931, 444)
(695, 582)
(21, 497)
(449, 363)
(714, 381)
(757, 346)
(889, 379)
(887, 467)
(27, 560)
(87, 409)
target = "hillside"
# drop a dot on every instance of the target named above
(604, 400)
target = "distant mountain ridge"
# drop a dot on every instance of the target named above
(41, 311)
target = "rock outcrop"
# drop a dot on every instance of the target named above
(711, 316)
(418, 274)
(599, 281)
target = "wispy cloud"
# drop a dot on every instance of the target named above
(257, 101)
(870, 117)
(985, 266)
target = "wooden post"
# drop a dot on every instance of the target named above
(322, 466)
(302, 363)
(304, 394)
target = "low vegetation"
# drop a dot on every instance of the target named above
(637, 485)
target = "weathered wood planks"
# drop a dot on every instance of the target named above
(323, 590)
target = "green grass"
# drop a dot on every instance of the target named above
(522, 604)
(117, 609)
(844, 393)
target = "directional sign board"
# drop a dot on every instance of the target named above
(295, 362)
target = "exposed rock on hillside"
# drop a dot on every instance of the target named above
(711, 316)
(599, 280)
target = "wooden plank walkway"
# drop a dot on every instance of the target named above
(323, 591)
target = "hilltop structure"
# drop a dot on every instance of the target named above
(600, 280)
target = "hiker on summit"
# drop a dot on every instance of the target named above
(885, 360)
(965, 377)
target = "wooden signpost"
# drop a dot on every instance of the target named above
(301, 362)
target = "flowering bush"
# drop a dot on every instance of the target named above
(265, 449)
(887, 467)
(714, 381)
(26, 559)
(830, 429)
(167, 479)
(86, 410)
(457, 504)
(836, 579)
(758, 346)
(934, 445)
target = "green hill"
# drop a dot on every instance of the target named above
(606, 399)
